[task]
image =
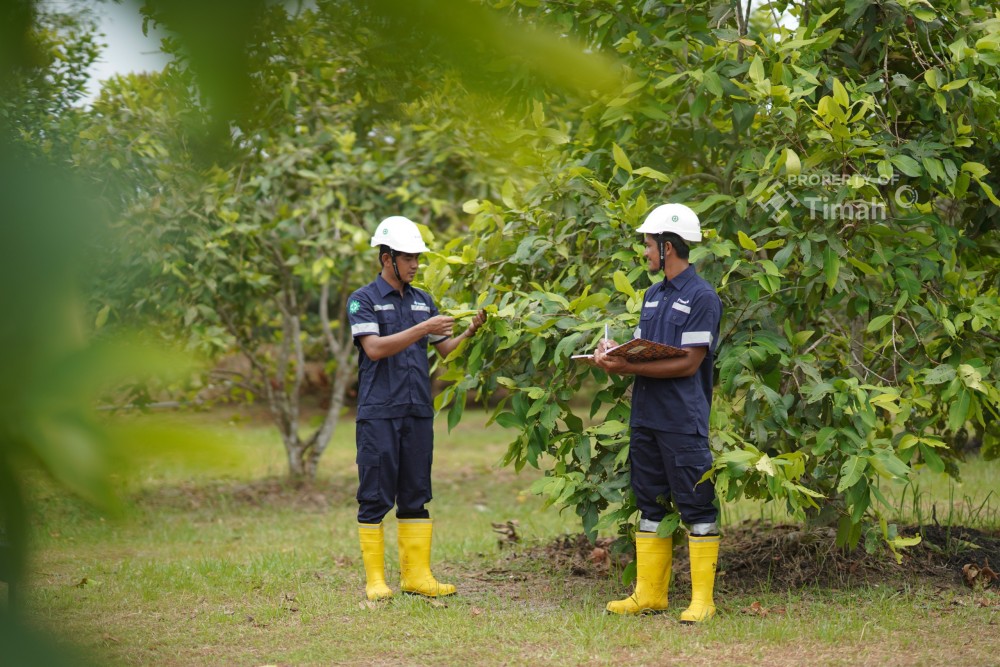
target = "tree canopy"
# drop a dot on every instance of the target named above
(842, 167)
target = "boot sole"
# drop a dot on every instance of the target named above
(704, 620)
(427, 595)
(644, 612)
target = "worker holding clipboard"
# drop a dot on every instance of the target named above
(671, 400)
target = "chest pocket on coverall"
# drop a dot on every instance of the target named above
(646, 319)
(388, 321)
(676, 319)
(420, 314)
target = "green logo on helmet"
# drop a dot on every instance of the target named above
(385, 231)
(675, 218)
(353, 307)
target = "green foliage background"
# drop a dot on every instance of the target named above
(235, 191)
(854, 350)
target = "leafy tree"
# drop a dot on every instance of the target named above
(259, 248)
(844, 167)
(43, 74)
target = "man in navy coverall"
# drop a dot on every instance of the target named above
(392, 323)
(671, 399)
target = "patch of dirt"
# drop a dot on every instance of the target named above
(319, 496)
(574, 554)
(758, 556)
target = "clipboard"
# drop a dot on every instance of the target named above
(638, 350)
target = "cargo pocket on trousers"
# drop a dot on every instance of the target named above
(691, 466)
(368, 477)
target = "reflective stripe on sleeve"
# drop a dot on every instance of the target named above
(364, 328)
(696, 338)
(437, 339)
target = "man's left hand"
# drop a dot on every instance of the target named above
(477, 322)
(608, 363)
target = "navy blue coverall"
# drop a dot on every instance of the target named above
(669, 450)
(395, 435)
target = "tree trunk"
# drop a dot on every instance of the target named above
(342, 351)
(296, 465)
(321, 439)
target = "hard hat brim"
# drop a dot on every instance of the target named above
(412, 249)
(693, 237)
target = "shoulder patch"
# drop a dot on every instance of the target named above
(354, 306)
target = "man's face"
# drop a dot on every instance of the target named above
(652, 253)
(406, 263)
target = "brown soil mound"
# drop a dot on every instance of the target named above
(758, 556)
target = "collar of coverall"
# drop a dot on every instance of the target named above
(681, 278)
(384, 288)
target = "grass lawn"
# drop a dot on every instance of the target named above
(224, 565)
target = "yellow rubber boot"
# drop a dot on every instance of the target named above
(704, 551)
(373, 554)
(653, 558)
(415, 560)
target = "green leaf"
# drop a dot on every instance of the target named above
(472, 206)
(866, 269)
(931, 77)
(955, 85)
(620, 158)
(852, 470)
(840, 94)
(988, 189)
(765, 465)
(793, 166)
(977, 169)
(879, 322)
(652, 173)
(907, 165)
(708, 202)
(831, 266)
(746, 242)
(757, 70)
(713, 83)
(102, 317)
(888, 465)
(934, 168)
(457, 408)
(800, 338)
(931, 458)
(623, 285)
(509, 420)
(898, 543)
(668, 525)
(958, 411)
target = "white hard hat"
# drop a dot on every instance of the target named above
(400, 234)
(676, 218)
